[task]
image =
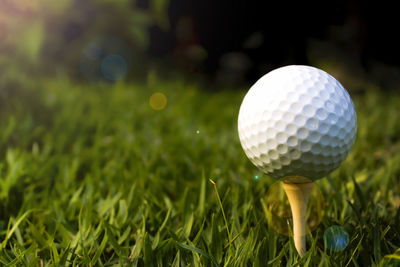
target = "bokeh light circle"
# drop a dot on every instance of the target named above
(158, 101)
(105, 59)
(114, 67)
(278, 213)
(336, 238)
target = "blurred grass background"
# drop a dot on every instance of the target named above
(106, 151)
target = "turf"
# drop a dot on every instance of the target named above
(92, 176)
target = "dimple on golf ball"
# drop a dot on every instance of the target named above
(297, 121)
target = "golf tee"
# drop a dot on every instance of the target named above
(298, 195)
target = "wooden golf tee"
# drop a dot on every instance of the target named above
(298, 195)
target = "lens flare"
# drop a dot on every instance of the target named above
(93, 51)
(158, 101)
(114, 67)
(336, 238)
(105, 59)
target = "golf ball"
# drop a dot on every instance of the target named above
(297, 121)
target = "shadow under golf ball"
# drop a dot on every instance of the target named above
(278, 213)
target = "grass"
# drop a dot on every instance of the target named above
(92, 176)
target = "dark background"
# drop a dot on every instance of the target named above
(266, 34)
(223, 42)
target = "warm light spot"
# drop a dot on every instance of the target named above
(158, 101)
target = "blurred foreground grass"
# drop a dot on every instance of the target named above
(93, 176)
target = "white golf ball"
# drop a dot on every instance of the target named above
(297, 121)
